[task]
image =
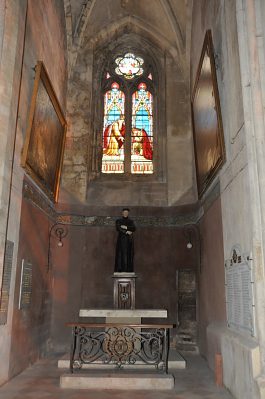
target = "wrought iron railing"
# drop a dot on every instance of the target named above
(120, 345)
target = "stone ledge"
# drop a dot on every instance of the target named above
(157, 313)
(132, 381)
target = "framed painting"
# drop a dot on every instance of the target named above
(42, 153)
(208, 134)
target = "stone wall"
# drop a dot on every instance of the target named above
(172, 184)
(10, 69)
(239, 199)
(39, 36)
(2, 24)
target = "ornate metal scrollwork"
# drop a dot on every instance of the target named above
(120, 346)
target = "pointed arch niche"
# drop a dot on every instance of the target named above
(129, 114)
(168, 160)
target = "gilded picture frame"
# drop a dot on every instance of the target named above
(42, 153)
(208, 133)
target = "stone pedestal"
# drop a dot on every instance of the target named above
(124, 290)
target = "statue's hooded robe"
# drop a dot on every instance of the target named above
(124, 246)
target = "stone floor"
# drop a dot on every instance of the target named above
(41, 381)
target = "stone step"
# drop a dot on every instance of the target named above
(129, 381)
(175, 361)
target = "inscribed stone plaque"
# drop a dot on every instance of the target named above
(239, 293)
(6, 281)
(25, 285)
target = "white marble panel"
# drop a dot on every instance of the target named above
(135, 313)
(118, 381)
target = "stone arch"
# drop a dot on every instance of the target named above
(77, 35)
(138, 26)
(82, 155)
(154, 56)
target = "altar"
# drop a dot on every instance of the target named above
(120, 339)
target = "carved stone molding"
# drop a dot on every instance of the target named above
(31, 194)
(143, 221)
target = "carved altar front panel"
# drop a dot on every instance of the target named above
(124, 290)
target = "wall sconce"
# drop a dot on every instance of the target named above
(192, 234)
(189, 245)
(59, 231)
(188, 232)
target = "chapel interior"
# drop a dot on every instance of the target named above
(197, 197)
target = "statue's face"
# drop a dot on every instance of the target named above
(125, 213)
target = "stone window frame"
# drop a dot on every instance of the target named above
(128, 87)
(157, 88)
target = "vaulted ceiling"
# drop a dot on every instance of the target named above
(167, 19)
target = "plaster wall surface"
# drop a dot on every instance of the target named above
(211, 279)
(31, 326)
(83, 269)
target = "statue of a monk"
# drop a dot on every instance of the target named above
(124, 246)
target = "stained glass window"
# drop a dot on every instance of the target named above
(129, 66)
(113, 130)
(142, 131)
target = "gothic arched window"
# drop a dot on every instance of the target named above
(127, 139)
(113, 130)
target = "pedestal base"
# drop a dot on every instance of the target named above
(132, 381)
(124, 290)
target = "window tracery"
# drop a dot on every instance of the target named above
(128, 126)
(129, 66)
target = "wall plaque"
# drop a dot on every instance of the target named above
(9, 249)
(239, 293)
(25, 285)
